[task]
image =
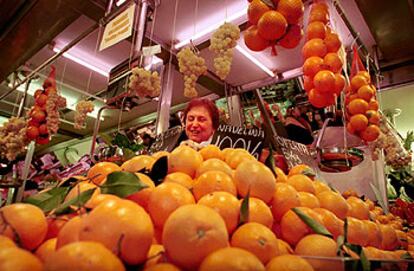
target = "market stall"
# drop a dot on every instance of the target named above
(203, 135)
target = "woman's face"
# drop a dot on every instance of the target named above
(198, 124)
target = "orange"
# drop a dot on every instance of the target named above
(312, 65)
(231, 259)
(260, 213)
(166, 198)
(160, 154)
(138, 163)
(84, 256)
(293, 228)
(291, 39)
(16, 259)
(301, 169)
(301, 183)
(373, 105)
(315, 30)
(358, 81)
(156, 255)
(6, 242)
(357, 232)
(371, 133)
(255, 10)
(184, 159)
(318, 99)
(226, 204)
(280, 176)
(402, 238)
(227, 152)
(321, 246)
(284, 248)
(389, 237)
(320, 187)
(333, 202)
(370, 203)
(350, 128)
(23, 223)
(81, 187)
(308, 83)
(288, 263)
(373, 117)
(211, 151)
(142, 197)
(333, 62)
(357, 106)
(257, 239)
(214, 164)
(212, 181)
(97, 173)
(69, 232)
(314, 47)
(324, 81)
(366, 92)
(331, 222)
(319, 15)
(284, 198)
(162, 267)
(339, 83)
(374, 234)
(191, 233)
(308, 200)
(292, 10)
(122, 226)
(320, 6)
(365, 74)
(253, 40)
(359, 122)
(255, 177)
(46, 249)
(237, 157)
(333, 43)
(180, 178)
(98, 199)
(272, 25)
(357, 208)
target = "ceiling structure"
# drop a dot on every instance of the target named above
(32, 31)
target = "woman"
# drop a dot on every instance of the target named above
(297, 128)
(201, 119)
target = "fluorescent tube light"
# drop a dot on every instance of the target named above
(255, 61)
(208, 30)
(83, 63)
(120, 2)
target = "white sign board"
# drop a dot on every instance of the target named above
(118, 29)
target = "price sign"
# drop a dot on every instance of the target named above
(296, 153)
(167, 140)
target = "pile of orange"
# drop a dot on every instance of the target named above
(274, 23)
(196, 220)
(322, 67)
(362, 108)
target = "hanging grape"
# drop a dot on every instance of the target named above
(191, 66)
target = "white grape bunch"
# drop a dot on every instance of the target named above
(54, 103)
(82, 109)
(222, 43)
(145, 83)
(13, 139)
(191, 66)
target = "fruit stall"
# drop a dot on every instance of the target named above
(305, 166)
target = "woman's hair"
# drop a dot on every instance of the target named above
(207, 104)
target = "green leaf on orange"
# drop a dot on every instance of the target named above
(313, 224)
(244, 209)
(270, 161)
(269, 3)
(122, 184)
(50, 199)
(80, 200)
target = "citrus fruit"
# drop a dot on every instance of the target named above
(357, 208)
(292, 37)
(389, 237)
(339, 83)
(333, 43)
(333, 202)
(318, 99)
(359, 122)
(320, 187)
(312, 66)
(301, 183)
(324, 81)
(142, 197)
(371, 133)
(6, 242)
(308, 83)
(333, 61)
(160, 154)
(253, 40)
(314, 47)
(17, 259)
(46, 249)
(308, 200)
(292, 10)
(284, 248)
(260, 213)
(331, 222)
(137, 163)
(318, 15)
(373, 117)
(374, 234)
(69, 233)
(358, 81)
(211, 151)
(315, 30)
(82, 187)
(97, 173)
(288, 263)
(255, 10)
(357, 106)
(184, 159)
(284, 198)
(156, 255)
(162, 267)
(214, 164)
(365, 92)
(211, 181)
(272, 25)
(180, 178)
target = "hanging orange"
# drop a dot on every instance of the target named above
(371, 133)
(373, 105)
(312, 65)
(350, 128)
(365, 92)
(315, 30)
(359, 122)
(307, 83)
(358, 81)
(365, 74)
(255, 10)
(373, 117)
(292, 10)
(339, 83)
(357, 106)
(333, 61)
(272, 25)
(332, 41)
(320, 6)
(253, 40)
(317, 99)
(319, 15)
(324, 81)
(292, 37)
(314, 47)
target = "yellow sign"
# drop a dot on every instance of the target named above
(118, 29)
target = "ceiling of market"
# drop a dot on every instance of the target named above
(29, 30)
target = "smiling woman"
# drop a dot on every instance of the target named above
(201, 120)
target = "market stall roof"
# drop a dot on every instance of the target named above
(77, 82)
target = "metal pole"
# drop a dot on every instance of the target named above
(96, 129)
(109, 7)
(164, 104)
(141, 20)
(24, 98)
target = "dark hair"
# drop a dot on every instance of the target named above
(207, 104)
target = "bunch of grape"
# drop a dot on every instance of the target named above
(145, 83)
(13, 139)
(222, 42)
(54, 103)
(82, 109)
(191, 66)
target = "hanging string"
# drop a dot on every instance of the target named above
(225, 15)
(120, 113)
(131, 51)
(152, 29)
(195, 17)
(95, 53)
(172, 45)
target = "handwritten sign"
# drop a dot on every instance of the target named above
(227, 136)
(296, 153)
(118, 29)
(167, 140)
